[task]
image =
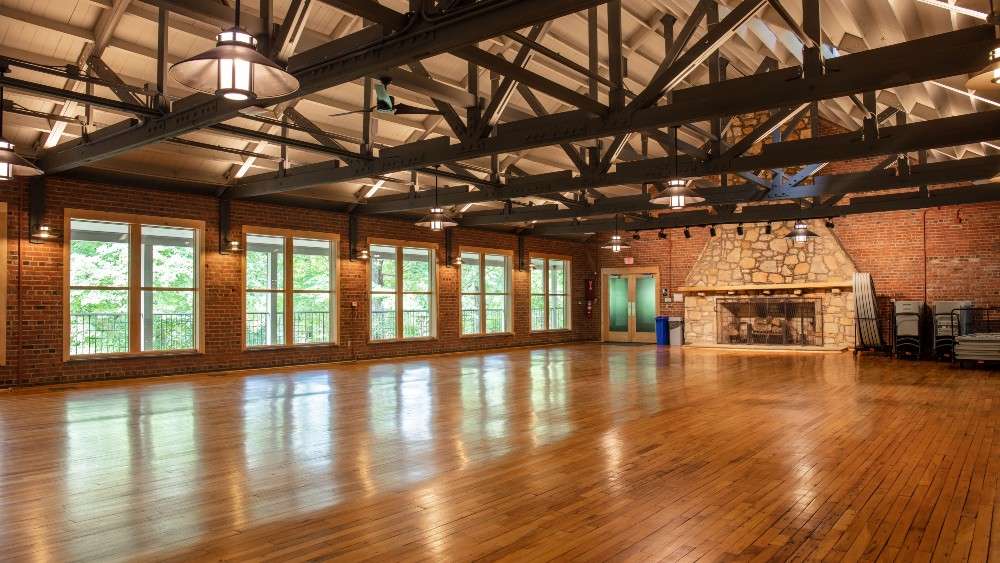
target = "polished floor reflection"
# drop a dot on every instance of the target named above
(586, 451)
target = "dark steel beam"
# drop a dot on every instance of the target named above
(950, 131)
(770, 213)
(535, 81)
(501, 97)
(913, 62)
(948, 172)
(329, 65)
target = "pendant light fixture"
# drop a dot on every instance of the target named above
(10, 163)
(677, 194)
(989, 77)
(438, 219)
(616, 244)
(234, 69)
(800, 233)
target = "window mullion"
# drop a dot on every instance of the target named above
(134, 282)
(288, 289)
(399, 293)
(482, 293)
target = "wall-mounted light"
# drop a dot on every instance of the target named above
(38, 230)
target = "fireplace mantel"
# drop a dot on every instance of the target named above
(804, 286)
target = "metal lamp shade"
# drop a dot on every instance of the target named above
(989, 78)
(801, 233)
(438, 219)
(234, 70)
(616, 244)
(676, 195)
(13, 165)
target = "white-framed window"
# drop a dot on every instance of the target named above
(403, 286)
(290, 283)
(133, 284)
(485, 300)
(550, 306)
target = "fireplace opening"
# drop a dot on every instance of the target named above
(770, 321)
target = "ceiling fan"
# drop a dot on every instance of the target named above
(385, 103)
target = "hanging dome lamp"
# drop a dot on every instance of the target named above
(800, 233)
(234, 69)
(677, 194)
(438, 219)
(617, 243)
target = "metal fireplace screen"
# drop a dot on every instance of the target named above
(774, 321)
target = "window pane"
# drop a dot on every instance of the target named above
(98, 253)
(557, 276)
(98, 321)
(557, 312)
(168, 320)
(470, 272)
(311, 318)
(416, 316)
(470, 314)
(418, 267)
(496, 273)
(265, 262)
(168, 257)
(496, 313)
(537, 312)
(265, 318)
(537, 275)
(383, 321)
(383, 267)
(311, 264)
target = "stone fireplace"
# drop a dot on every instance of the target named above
(760, 289)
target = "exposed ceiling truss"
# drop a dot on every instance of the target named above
(602, 120)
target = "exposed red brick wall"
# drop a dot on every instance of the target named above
(35, 343)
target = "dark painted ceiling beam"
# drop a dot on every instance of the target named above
(949, 131)
(947, 172)
(912, 62)
(788, 212)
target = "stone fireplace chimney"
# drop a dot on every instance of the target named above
(770, 273)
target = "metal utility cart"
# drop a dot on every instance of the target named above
(949, 316)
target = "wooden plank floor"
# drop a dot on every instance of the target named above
(584, 452)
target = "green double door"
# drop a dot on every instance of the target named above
(630, 315)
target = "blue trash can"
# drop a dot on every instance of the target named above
(663, 330)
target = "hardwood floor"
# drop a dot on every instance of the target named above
(588, 451)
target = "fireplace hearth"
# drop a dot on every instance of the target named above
(770, 321)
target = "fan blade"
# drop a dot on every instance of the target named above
(351, 112)
(403, 109)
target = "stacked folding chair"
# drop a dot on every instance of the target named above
(907, 318)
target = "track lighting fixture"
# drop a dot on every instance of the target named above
(662, 235)
(739, 229)
(635, 236)
(711, 231)
(767, 229)
(234, 69)
(687, 232)
(829, 224)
